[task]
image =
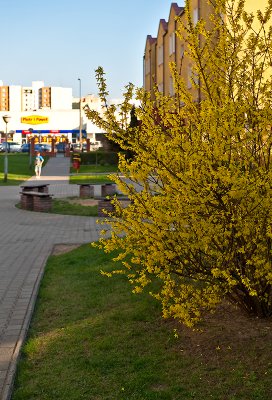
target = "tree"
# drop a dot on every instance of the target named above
(200, 228)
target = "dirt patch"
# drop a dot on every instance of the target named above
(228, 337)
(64, 248)
(94, 202)
(83, 202)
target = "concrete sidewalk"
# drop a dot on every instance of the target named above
(26, 241)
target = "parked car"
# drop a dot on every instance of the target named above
(37, 147)
(25, 148)
(95, 146)
(77, 149)
(61, 147)
(12, 147)
(46, 147)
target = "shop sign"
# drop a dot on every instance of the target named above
(34, 120)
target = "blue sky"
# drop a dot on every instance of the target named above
(59, 41)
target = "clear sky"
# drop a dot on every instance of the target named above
(59, 41)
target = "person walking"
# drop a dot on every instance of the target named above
(38, 165)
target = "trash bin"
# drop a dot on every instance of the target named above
(76, 163)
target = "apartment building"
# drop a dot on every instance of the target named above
(27, 99)
(4, 98)
(35, 97)
(45, 98)
(167, 47)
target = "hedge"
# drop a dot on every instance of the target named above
(99, 158)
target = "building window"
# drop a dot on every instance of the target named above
(189, 81)
(196, 79)
(160, 87)
(195, 16)
(171, 86)
(147, 66)
(160, 55)
(172, 46)
(193, 77)
(222, 17)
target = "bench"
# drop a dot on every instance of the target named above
(108, 189)
(87, 189)
(42, 188)
(36, 201)
(105, 205)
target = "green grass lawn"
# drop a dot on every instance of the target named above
(18, 168)
(95, 179)
(64, 206)
(19, 171)
(96, 169)
(91, 338)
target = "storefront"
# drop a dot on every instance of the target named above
(46, 135)
(62, 125)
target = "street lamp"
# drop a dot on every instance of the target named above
(6, 119)
(80, 123)
(31, 144)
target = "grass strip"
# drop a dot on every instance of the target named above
(95, 169)
(91, 338)
(62, 206)
(18, 168)
(92, 179)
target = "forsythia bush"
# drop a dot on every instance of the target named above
(200, 178)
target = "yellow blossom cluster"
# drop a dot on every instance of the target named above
(198, 176)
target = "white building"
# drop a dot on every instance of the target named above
(45, 112)
(61, 98)
(15, 98)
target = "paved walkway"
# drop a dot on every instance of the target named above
(26, 241)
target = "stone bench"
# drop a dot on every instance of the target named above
(108, 189)
(87, 189)
(105, 205)
(36, 201)
(42, 188)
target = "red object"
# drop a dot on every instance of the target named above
(76, 164)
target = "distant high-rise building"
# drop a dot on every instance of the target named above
(45, 98)
(35, 97)
(46, 113)
(4, 98)
(27, 99)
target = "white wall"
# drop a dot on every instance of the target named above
(15, 92)
(36, 86)
(61, 98)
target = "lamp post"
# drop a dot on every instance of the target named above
(80, 123)
(6, 119)
(30, 130)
